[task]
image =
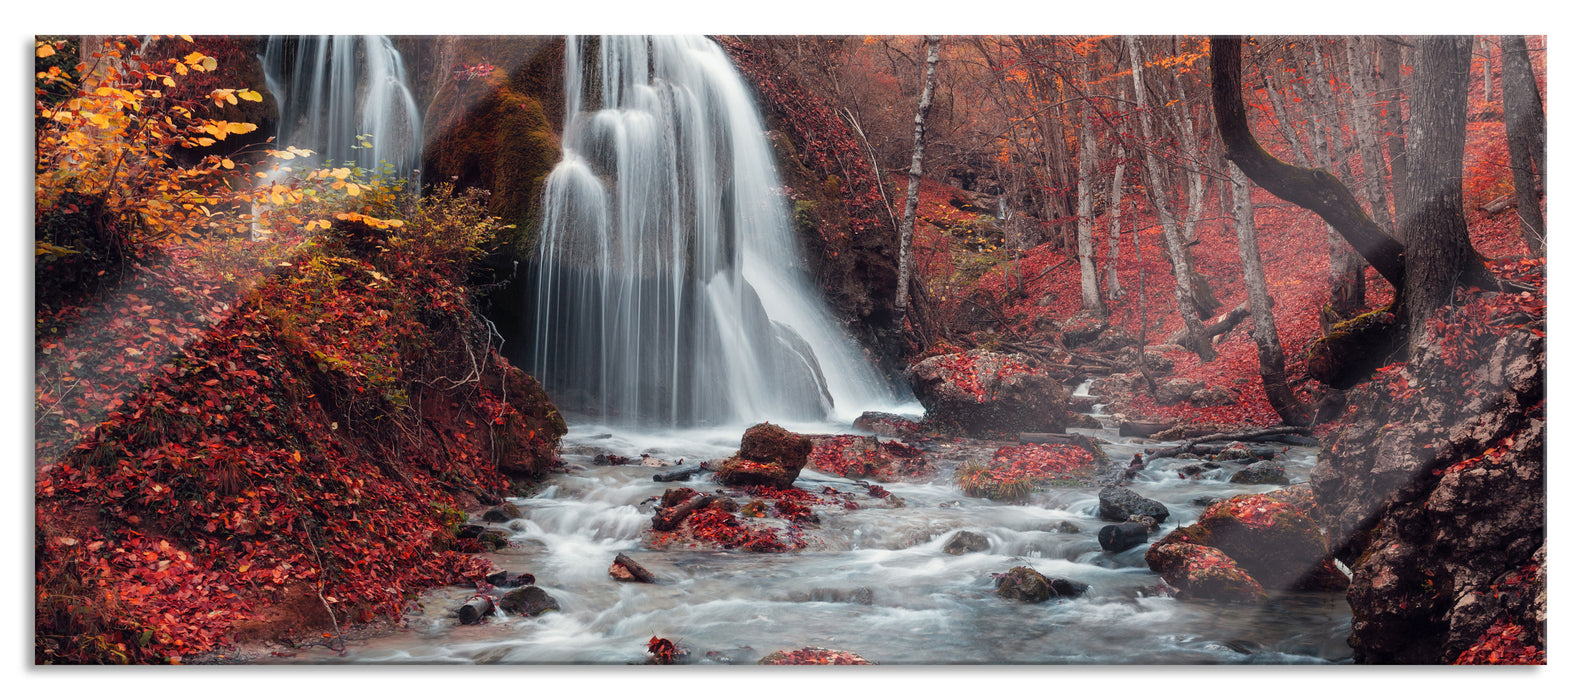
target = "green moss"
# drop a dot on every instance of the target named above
(1353, 349)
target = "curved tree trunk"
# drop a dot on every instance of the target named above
(1315, 190)
(1087, 170)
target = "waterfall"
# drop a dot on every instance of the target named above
(667, 286)
(337, 93)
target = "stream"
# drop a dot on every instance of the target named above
(874, 581)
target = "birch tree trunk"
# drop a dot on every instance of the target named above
(1086, 170)
(1195, 339)
(914, 178)
(1365, 125)
(1390, 91)
(1346, 280)
(1271, 357)
(1112, 279)
(1524, 131)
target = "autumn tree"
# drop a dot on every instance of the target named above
(1271, 356)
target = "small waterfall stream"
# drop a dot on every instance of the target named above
(339, 92)
(667, 289)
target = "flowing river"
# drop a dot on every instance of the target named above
(874, 581)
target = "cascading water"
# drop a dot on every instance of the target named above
(339, 92)
(667, 289)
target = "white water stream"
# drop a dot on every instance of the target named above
(874, 581)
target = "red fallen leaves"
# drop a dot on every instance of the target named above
(1015, 471)
(857, 456)
(1502, 644)
(813, 656)
(662, 650)
(714, 526)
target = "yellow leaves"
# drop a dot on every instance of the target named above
(227, 163)
(369, 220)
(250, 95)
(43, 49)
(290, 153)
(220, 128)
(198, 62)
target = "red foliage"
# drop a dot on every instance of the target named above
(850, 456)
(663, 650)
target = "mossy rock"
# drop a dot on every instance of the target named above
(1353, 349)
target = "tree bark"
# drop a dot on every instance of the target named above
(1112, 279)
(914, 179)
(1439, 255)
(1271, 357)
(1524, 131)
(1086, 171)
(1315, 190)
(1365, 124)
(1390, 91)
(1196, 341)
(1347, 290)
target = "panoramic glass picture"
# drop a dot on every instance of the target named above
(741, 350)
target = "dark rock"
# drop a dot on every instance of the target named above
(1067, 527)
(1083, 420)
(530, 601)
(967, 541)
(1117, 503)
(1141, 428)
(504, 512)
(742, 472)
(1082, 329)
(624, 568)
(767, 442)
(1212, 396)
(1196, 471)
(1198, 571)
(506, 579)
(1273, 540)
(1082, 404)
(684, 474)
(1436, 498)
(491, 537)
(1176, 391)
(1029, 586)
(476, 610)
(1206, 501)
(984, 394)
(1119, 538)
(1265, 472)
(886, 424)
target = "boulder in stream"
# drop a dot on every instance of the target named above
(966, 541)
(1199, 571)
(1028, 586)
(813, 656)
(1265, 472)
(770, 456)
(887, 424)
(984, 394)
(504, 512)
(529, 601)
(1272, 540)
(1118, 503)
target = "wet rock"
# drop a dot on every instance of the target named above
(1176, 391)
(1141, 429)
(476, 610)
(742, 472)
(504, 512)
(1273, 541)
(1196, 471)
(506, 579)
(966, 541)
(1231, 454)
(1082, 404)
(1111, 340)
(1067, 527)
(1265, 472)
(1206, 501)
(609, 459)
(1198, 571)
(1119, 538)
(684, 474)
(813, 656)
(653, 462)
(767, 442)
(529, 601)
(1083, 420)
(1028, 586)
(886, 424)
(984, 394)
(1082, 329)
(490, 537)
(1117, 503)
(625, 569)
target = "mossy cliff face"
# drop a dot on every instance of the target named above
(847, 236)
(498, 132)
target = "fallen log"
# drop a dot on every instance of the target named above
(475, 610)
(637, 571)
(1119, 538)
(668, 518)
(1142, 429)
(1253, 435)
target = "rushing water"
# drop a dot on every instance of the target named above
(346, 98)
(667, 289)
(874, 581)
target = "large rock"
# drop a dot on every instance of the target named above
(1029, 586)
(1203, 572)
(1433, 488)
(1272, 540)
(1265, 472)
(770, 456)
(988, 394)
(967, 541)
(1118, 504)
(1176, 391)
(530, 601)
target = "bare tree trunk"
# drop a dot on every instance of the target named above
(1365, 125)
(1112, 279)
(914, 178)
(1346, 280)
(1390, 90)
(1271, 357)
(1439, 253)
(1196, 341)
(1277, 103)
(1086, 171)
(1524, 131)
